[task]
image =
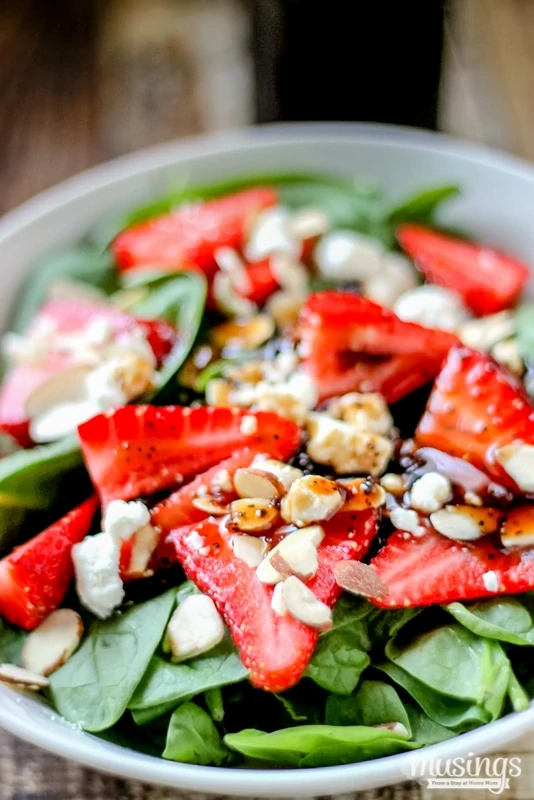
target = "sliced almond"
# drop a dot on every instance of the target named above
(292, 555)
(67, 386)
(359, 579)
(16, 676)
(53, 642)
(250, 549)
(465, 523)
(246, 334)
(394, 484)
(394, 727)
(277, 602)
(145, 541)
(518, 527)
(252, 515)
(194, 628)
(518, 462)
(363, 493)
(284, 473)
(302, 604)
(297, 558)
(209, 505)
(251, 482)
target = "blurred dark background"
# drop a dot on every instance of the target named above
(82, 81)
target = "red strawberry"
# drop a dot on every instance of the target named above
(139, 450)
(262, 282)
(190, 235)
(476, 407)
(352, 344)
(488, 280)
(68, 317)
(432, 569)
(276, 649)
(35, 577)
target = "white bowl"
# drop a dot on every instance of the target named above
(497, 205)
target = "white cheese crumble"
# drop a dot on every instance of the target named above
(367, 412)
(96, 566)
(272, 234)
(395, 277)
(406, 520)
(123, 518)
(311, 499)
(292, 398)
(345, 447)
(194, 628)
(430, 492)
(433, 307)
(248, 425)
(348, 256)
(491, 580)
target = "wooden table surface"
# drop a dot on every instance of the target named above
(85, 81)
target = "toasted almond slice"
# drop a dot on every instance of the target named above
(250, 482)
(284, 473)
(145, 541)
(250, 549)
(277, 602)
(359, 579)
(243, 334)
(52, 643)
(208, 504)
(302, 604)
(518, 527)
(67, 386)
(17, 676)
(518, 462)
(466, 523)
(394, 484)
(296, 558)
(363, 493)
(252, 515)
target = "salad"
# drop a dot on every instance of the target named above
(267, 477)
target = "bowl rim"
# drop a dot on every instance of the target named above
(284, 782)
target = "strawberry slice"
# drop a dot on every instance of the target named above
(262, 282)
(70, 318)
(431, 569)
(178, 510)
(352, 344)
(139, 450)
(190, 235)
(488, 280)
(275, 649)
(35, 577)
(476, 407)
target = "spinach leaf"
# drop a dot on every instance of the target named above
(179, 298)
(193, 738)
(215, 704)
(450, 712)
(11, 643)
(524, 323)
(422, 206)
(503, 618)
(425, 730)
(374, 703)
(341, 654)
(142, 716)
(382, 625)
(165, 682)
(82, 264)
(517, 695)
(94, 687)
(318, 745)
(34, 480)
(300, 705)
(453, 661)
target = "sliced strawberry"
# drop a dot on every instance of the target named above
(262, 282)
(275, 649)
(488, 280)
(35, 577)
(178, 510)
(431, 569)
(68, 317)
(191, 234)
(475, 408)
(139, 450)
(352, 344)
